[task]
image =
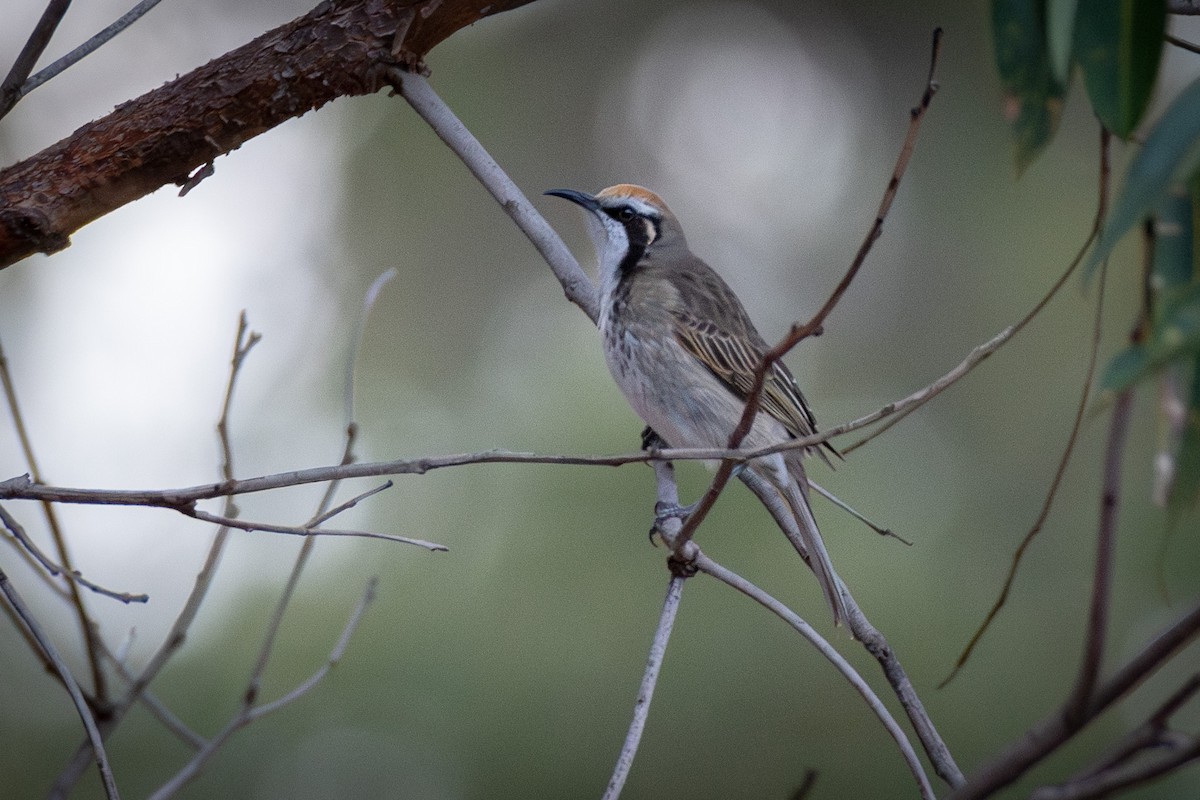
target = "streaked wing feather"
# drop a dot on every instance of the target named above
(734, 359)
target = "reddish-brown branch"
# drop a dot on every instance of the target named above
(168, 135)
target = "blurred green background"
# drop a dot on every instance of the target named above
(508, 666)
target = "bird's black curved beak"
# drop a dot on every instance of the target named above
(581, 198)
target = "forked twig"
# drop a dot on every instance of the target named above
(14, 601)
(243, 342)
(87, 48)
(1055, 729)
(250, 713)
(54, 570)
(87, 627)
(43, 31)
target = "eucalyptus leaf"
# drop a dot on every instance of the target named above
(1118, 45)
(1033, 98)
(1126, 368)
(1170, 155)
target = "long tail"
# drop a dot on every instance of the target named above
(807, 540)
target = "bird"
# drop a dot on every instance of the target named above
(684, 352)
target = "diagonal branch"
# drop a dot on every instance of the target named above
(10, 88)
(173, 132)
(14, 601)
(1046, 736)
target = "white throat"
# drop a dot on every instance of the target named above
(612, 245)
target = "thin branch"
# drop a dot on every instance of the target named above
(346, 506)
(323, 511)
(1097, 626)
(250, 713)
(18, 533)
(87, 48)
(302, 530)
(875, 644)
(641, 708)
(715, 570)
(1149, 734)
(575, 282)
(1080, 410)
(1124, 777)
(22, 487)
(837, 501)
(1096, 633)
(1181, 43)
(1163, 751)
(14, 601)
(356, 339)
(1047, 735)
(243, 342)
(87, 627)
(10, 88)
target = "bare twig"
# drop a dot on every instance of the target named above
(1055, 729)
(837, 501)
(309, 531)
(14, 601)
(87, 48)
(87, 626)
(250, 713)
(1080, 410)
(1097, 627)
(1164, 751)
(575, 282)
(641, 708)
(23, 487)
(10, 88)
(18, 533)
(1181, 43)
(712, 568)
(243, 342)
(1126, 776)
(360, 329)
(875, 644)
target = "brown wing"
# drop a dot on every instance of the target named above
(733, 360)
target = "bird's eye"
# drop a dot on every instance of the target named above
(625, 213)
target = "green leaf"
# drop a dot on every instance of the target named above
(1060, 36)
(1118, 45)
(1175, 337)
(1170, 155)
(1033, 98)
(1127, 368)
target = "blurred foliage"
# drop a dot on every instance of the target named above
(1118, 47)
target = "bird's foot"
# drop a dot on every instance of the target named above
(667, 511)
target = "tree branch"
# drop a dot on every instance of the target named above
(169, 134)
(14, 601)
(1053, 731)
